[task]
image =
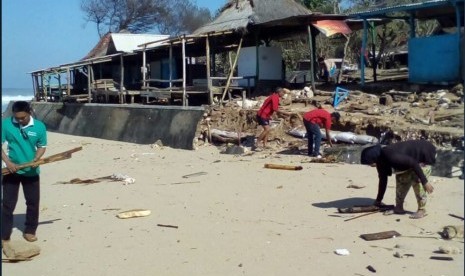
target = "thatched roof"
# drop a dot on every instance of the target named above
(238, 15)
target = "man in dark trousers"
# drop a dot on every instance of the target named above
(269, 106)
(27, 139)
(313, 120)
(411, 162)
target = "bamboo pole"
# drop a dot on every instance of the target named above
(228, 82)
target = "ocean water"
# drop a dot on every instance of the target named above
(15, 94)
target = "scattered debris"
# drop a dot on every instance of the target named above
(452, 231)
(167, 225)
(365, 208)
(20, 250)
(448, 250)
(455, 216)
(372, 269)
(134, 213)
(352, 186)
(441, 258)
(380, 235)
(194, 174)
(342, 252)
(283, 167)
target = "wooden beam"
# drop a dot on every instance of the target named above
(228, 82)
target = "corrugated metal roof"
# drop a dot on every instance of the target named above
(129, 42)
(405, 7)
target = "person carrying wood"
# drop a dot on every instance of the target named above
(411, 162)
(27, 140)
(269, 106)
(313, 120)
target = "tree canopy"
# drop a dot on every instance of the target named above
(140, 16)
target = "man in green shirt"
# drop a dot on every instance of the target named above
(27, 139)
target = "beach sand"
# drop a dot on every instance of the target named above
(234, 216)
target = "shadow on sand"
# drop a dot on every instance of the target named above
(344, 203)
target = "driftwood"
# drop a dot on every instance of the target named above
(365, 209)
(53, 158)
(167, 225)
(283, 167)
(380, 235)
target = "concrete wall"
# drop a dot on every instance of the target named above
(174, 126)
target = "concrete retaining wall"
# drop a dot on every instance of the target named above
(174, 126)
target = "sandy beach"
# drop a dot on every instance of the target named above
(233, 216)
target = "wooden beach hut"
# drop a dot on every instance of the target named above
(243, 27)
(109, 71)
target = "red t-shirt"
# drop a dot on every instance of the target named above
(270, 105)
(320, 117)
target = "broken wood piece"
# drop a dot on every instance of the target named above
(283, 167)
(441, 258)
(366, 214)
(52, 158)
(380, 235)
(134, 213)
(455, 216)
(14, 260)
(365, 209)
(355, 186)
(167, 225)
(194, 174)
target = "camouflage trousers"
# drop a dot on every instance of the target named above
(409, 179)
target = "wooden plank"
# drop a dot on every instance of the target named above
(365, 209)
(380, 235)
(53, 158)
(283, 167)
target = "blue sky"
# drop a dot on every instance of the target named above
(41, 34)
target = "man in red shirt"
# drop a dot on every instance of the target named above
(270, 105)
(313, 120)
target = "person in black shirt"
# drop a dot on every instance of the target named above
(411, 162)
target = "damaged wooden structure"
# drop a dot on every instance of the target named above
(184, 67)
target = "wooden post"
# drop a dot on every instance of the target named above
(362, 56)
(121, 85)
(89, 84)
(346, 45)
(68, 77)
(209, 85)
(33, 85)
(312, 54)
(228, 82)
(144, 67)
(183, 70)
(257, 59)
(170, 65)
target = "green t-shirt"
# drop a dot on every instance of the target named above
(23, 142)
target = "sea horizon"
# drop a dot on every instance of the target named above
(15, 94)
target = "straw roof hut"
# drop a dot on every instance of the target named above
(242, 15)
